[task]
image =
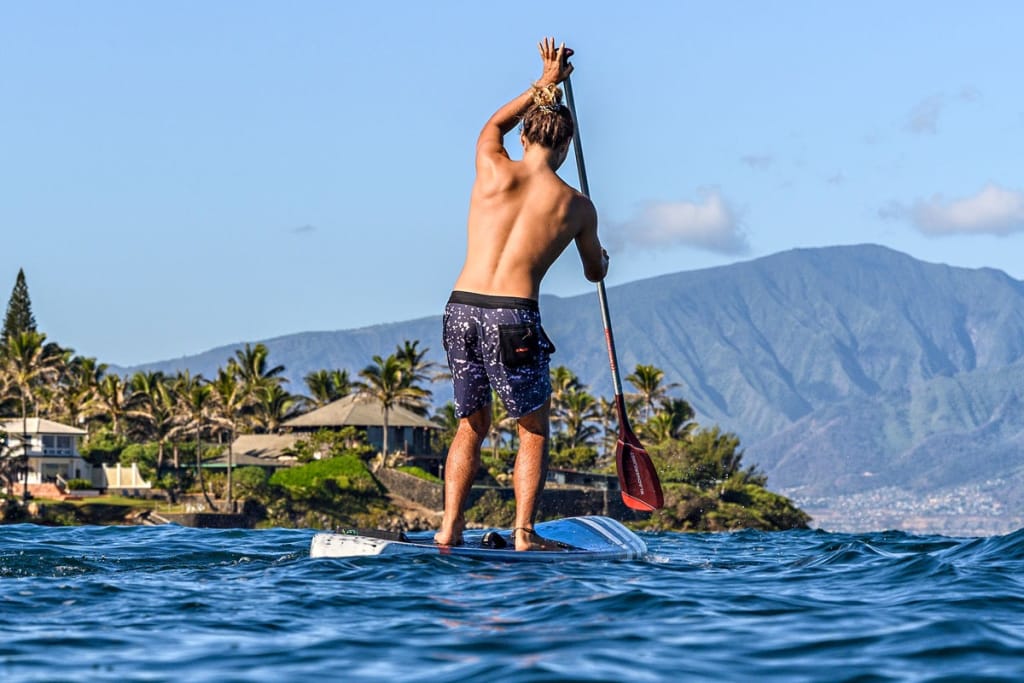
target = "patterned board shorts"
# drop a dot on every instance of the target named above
(496, 342)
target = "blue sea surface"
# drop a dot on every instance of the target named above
(180, 604)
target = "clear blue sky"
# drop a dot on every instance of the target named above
(180, 175)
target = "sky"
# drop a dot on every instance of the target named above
(176, 176)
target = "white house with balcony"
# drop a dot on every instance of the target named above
(52, 449)
(53, 457)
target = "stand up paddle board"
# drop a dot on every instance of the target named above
(581, 538)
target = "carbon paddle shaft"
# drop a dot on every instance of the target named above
(601, 295)
(638, 479)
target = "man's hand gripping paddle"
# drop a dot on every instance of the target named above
(641, 489)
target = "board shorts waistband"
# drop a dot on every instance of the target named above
(492, 301)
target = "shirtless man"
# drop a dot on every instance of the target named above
(521, 217)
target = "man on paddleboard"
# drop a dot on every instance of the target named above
(521, 217)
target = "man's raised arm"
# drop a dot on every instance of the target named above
(556, 69)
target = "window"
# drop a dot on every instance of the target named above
(54, 444)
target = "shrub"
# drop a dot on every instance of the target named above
(346, 472)
(79, 484)
(491, 510)
(250, 482)
(420, 473)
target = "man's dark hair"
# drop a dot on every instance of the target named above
(548, 125)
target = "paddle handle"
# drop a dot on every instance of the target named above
(602, 296)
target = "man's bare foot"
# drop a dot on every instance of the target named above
(450, 534)
(527, 539)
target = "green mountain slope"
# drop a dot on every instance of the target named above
(843, 369)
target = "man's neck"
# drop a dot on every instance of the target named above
(537, 155)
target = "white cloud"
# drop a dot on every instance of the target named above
(992, 211)
(711, 223)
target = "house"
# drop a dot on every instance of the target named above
(52, 449)
(561, 477)
(53, 457)
(268, 451)
(408, 432)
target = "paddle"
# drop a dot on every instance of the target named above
(641, 488)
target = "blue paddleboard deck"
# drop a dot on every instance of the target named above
(585, 538)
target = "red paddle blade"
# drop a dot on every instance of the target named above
(641, 488)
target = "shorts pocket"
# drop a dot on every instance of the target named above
(519, 344)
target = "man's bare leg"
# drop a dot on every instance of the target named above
(528, 477)
(459, 472)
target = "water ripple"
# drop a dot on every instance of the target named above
(171, 603)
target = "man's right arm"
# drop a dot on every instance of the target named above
(593, 255)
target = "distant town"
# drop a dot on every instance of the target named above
(971, 510)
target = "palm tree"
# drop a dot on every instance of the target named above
(178, 389)
(647, 380)
(580, 412)
(419, 371)
(113, 399)
(252, 366)
(257, 377)
(327, 386)
(154, 409)
(563, 380)
(197, 402)
(448, 421)
(388, 381)
(230, 398)
(77, 393)
(28, 362)
(272, 405)
(501, 423)
(679, 416)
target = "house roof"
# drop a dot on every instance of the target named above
(356, 411)
(265, 446)
(38, 425)
(246, 460)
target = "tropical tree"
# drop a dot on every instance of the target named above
(501, 424)
(447, 419)
(77, 391)
(563, 381)
(608, 418)
(647, 380)
(674, 420)
(580, 413)
(257, 375)
(389, 382)
(420, 371)
(113, 395)
(327, 386)
(198, 403)
(271, 406)
(230, 400)
(28, 363)
(153, 406)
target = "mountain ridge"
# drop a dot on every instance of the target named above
(842, 368)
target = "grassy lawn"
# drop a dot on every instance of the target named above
(122, 501)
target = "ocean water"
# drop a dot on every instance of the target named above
(180, 604)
